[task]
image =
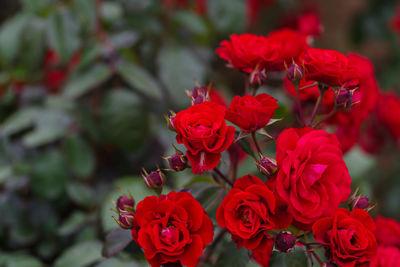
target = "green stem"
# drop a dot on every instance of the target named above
(253, 136)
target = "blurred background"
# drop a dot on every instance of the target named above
(84, 85)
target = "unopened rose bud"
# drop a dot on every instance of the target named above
(170, 120)
(125, 219)
(258, 77)
(155, 180)
(199, 94)
(125, 203)
(362, 203)
(344, 98)
(267, 166)
(284, 241)
(295, 73)
(177, 161)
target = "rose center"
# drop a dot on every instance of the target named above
(169, 235)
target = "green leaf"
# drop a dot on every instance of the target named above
(83, 83)
(191, 21)
(81, 194)
(23, 260)
(124, 120)
(72, 223)
(79, 155)
(114, 262)
(228, 15)
(19, 121)
(42, 136)
(246, 147)
(49, 175)
(139, 79)
(80, 255)
(295, 258)
(116, 241)
(10, 35)
(63, 33)
(180, 75)
(232, 256)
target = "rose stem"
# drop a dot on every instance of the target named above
(253, 136)
(316, 107)
(298, 103)
(211, 248)
(223, 176)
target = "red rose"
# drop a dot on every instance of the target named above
(283, 46)
(387, 111)
(248, 211)
(325, 66)
(348, 236)
(172, 228)
(310, 24)
(386, 257)
(395, 20)
(312, 176)
(251, 113)
(203, 131)
(243, 52)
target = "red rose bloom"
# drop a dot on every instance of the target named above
(310, 24)
(325, 66)
(283, 46)
(203, 131)
(172, 228)
(388, 237)
(243, 52)
(251, 113)
(312, 177)
(348, 236)
(388, 111)
(248, 211)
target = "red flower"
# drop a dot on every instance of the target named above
(349, 237)
(283, 46)
(386, 257)
(310, 24)
(395, 21)
(251, 113)
(309, 93)
(388, 111)
(172, 228)
(248, 211)
(243, 52)
(325, 66)
(312, 176)
(203, 131)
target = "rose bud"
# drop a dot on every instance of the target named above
(295, 73)
(258, 77)
(125, 203)
(344, 98)
(178, 161)
(199, 94)
(155, 180)
(267, 166)
(125, 220)
(284, 241)
(170, 120)
(362, 203)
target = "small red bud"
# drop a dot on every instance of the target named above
(177, 161)
(125, 203)
(125, 219)
(295, 73)
(170, 120)
(344, 98)
(199, 94)
(155, 180)
(267, 166)
(258, 77)
(362, 203)
(284, 241)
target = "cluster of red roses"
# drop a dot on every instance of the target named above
(306, 182)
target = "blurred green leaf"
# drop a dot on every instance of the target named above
(63, 33)
(80, 255)
(10, 36)
(79, 155)
(179, 68)
(21, 260)
(49, 175)
(124, 120)
(81, 84)
(114, 262)
(232, 256)
(246, 147)
(295, 258)
(116, 241)
(42, 136)
(19, 121)
(228, 15)
(111, 11)
(193, 22)
(81, 194)
(72, 223)
(139, 79)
